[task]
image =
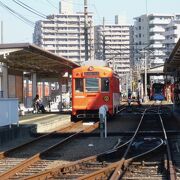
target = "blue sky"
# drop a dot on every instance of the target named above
(17, 31)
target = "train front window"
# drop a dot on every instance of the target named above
(158, 89)
(104, 84)
(92, 84)
(79, 85)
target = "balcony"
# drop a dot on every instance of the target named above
(174, 31)
(159, 21)
(50, 42)
(156, 29)
(46, 36)
(171, 41)
(157, 37)
(159, 53)
(158, 61)
(156, 46)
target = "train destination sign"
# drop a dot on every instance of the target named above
(91, 73)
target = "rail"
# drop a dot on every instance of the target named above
(33, 159)
(124, 163)
(172, 173)
(81, 165)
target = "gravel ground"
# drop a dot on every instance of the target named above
(14, 143)
(86, 146)
(120, 124)
(123, 123)
(81, 148)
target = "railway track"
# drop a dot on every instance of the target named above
(174, 143)
(100, 166)
(148, 162)
(157, 166)
(19, 158)
(125, 160)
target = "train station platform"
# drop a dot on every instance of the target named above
(33, 123)
(45, 122)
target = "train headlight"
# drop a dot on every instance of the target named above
(91, 68)
(106, 98)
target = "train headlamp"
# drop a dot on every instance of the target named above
(91, 68)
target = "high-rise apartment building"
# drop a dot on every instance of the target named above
(112, 43)
(63, 33)
(172, 34)
(149, 36)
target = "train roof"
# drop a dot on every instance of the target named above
(100, 69)
(87, 68)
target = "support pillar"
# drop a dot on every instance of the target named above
(34, 85)
(60, 92)
(49, 89)
(26, 92)
(1, 91)
(43, 90)
(1, 80)
(4, 81)
(142, 87)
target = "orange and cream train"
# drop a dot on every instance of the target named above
(92, 87)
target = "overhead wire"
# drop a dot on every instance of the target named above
(51, 4)
(30, 9)
(19, 16)
(99, 17)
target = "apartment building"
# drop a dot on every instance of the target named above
(172, 34)
(63, 33)
(112, 43)
(149, 36)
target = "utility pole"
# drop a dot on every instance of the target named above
(1, 32)
(86, 29)
(113, 65)
(90, 42)
(104, 39)
(145, 76)
(55, 33)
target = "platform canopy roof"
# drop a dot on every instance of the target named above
(31, 58)
(172, 64)
(154, 71)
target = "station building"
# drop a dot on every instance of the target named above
(27, 70)
(172, 71)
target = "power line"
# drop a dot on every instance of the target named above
(51, 4)
(16, 14)
(99, 17)
(32, 8)
(25, 6)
